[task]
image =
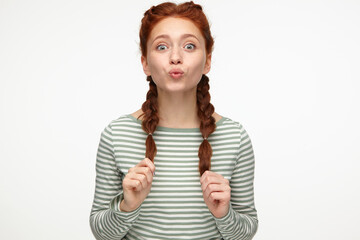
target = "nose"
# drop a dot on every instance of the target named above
(175, 56)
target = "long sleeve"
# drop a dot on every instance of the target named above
(241, 221)
(106, 219)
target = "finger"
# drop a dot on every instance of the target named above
(219, 196)
(215, 188)
(206, 174)
(147, 163)
(132, 184)
(205, 185)
(145, 171)
(139, 177)
(213, 180)
(209, 174)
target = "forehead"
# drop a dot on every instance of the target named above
(175, 28)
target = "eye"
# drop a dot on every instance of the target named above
(161, 47)
(189, 46)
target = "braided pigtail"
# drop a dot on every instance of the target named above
(207, 123)
(194, 13)
(150, 119)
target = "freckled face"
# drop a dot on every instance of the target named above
(176, 55)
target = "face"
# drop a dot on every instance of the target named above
(176, 55)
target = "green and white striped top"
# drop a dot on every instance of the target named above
(175, 208)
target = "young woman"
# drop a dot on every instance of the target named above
(175, 169)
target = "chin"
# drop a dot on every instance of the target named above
(176, 86)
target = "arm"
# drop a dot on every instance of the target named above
(106, 219)
(241, 220)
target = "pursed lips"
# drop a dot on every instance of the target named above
(176, 73)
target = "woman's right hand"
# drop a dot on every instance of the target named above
(137, 185)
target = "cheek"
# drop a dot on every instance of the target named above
(198, 64)
(156, 68)
(156, 63)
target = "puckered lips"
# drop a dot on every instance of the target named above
(176, 73)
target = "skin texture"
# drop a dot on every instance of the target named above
(216, 193)
(176, 43)
(137, 185)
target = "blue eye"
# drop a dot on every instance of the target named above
(190, 46)
(161, 47)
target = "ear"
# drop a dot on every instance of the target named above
(207, 64)
(145, 66)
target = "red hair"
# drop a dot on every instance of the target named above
(194, 13)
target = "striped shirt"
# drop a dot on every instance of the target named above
(175, 208)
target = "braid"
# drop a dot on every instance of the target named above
(193, 12)
(207, 123)
(150, 119)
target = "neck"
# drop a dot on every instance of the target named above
(178, 110)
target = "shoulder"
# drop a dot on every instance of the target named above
(226, 122)
(123, 129)
(125, 122)
(234, 127)
(239, 134)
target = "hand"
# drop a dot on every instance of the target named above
(137, 185)
(216, 193)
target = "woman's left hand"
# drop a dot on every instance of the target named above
(216, 193)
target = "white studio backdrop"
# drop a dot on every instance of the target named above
(287, 70)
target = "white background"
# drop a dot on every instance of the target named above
(287, 70)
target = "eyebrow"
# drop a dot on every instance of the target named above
(182, 36)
